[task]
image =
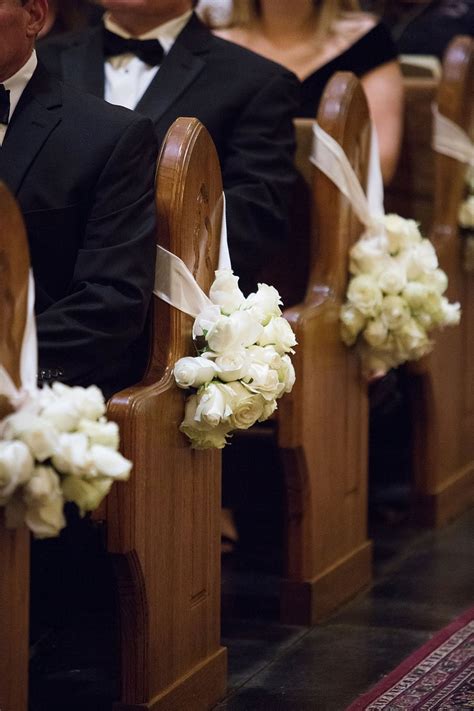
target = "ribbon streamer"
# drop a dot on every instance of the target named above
(175, 284)
(451, 140)
(328, 156)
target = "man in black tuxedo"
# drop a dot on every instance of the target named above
(83, 174)
(180, 69)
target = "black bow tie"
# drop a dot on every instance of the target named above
(149, 51)
(4, 105)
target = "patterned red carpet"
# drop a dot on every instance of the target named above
(437, 677)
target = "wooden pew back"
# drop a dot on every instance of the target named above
(14, 545)
(443, 384)
(411, 191)
(322, 424)
(164, 524)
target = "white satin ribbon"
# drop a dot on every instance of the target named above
(24, 395)
(328, 156)
(175, 284)
(451, 140)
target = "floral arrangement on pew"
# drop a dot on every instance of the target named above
(242, 366)
(57, 448)
(395, 296)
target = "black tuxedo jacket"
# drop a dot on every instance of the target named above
(83, 174)
(247, 103)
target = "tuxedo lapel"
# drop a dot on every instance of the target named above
(82, 64)
(37, 114)
(179, 69)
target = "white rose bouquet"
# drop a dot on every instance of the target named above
(60, 448)
(395, 297)
(242, 366)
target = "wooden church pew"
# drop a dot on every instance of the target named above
(322, 426)
(323, 423)
(14, 545)
(163, 525)
(442, 387)
(410, 193)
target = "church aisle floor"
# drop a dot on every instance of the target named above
(423, 580)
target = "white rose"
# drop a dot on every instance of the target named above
(365, 295)
(247, 407)
(248, 330)
(401, 233)
(352, 323)
(234, 331)
(419, 259)
(216, 438)
(264, 303)
(205, 320)
(416, 294)
(448, 314)
(232, 366)
(110, 463)
(39, 435)
(86, 494)
(393, 279)
(436, 279)
(432, 302)
(395, 312)
(101, 432)
(425, 319)
(192, 372)
(466, 212)
(263, 380)
(268, 410)
(221, 336)
(72, 455)
(44, 503)
(62, 413)
(225, 291)
(286, 373)
(213, 404)
(89, 401)
(413, 341)
(369, 256)
(202, 436)
(375, 333)
(278, 333)
(266, 355)
(16, 467)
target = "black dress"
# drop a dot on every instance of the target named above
(372, 50)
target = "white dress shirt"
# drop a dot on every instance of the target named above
(16, 85)
(126, 76)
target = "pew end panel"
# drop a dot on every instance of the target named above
(323, 423)
(443, 387)
(164, 525)
(14, 545)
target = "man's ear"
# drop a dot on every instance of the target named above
(37, 11)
